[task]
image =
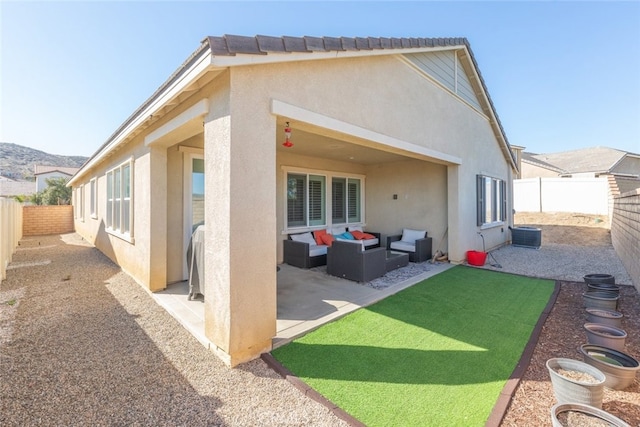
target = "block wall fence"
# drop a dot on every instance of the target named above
(42, 220)
(625, 232)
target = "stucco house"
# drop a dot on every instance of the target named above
(42, 173)
(402, 131)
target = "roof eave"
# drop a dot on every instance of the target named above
(493, 117)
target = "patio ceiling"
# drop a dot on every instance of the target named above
(326, 147)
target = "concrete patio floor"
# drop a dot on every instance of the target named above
(306, 299)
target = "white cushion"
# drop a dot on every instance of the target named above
(370, 242)
(403, 246)
(304, 238)
(338, 230)
(410, 236)
(353, 242)
(317, 250)
(356, 228)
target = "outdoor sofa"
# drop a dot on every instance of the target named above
(414, 242)
(303, 250)
(351, 261)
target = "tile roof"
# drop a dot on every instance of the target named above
(595, 159)
(229, 45)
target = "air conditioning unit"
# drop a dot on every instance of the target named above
(526, 237)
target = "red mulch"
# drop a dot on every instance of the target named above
(562, 335)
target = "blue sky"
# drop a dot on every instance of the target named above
(562, 75)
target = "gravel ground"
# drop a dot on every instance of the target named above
(559, 261)
(82, 344)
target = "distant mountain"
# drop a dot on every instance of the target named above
(19, 162)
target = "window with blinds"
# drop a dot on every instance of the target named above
(338, 200)
(491, 200)
(353, 200)
(296, 190)
(311, 197)
(119, 207)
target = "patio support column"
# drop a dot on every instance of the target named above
(157, 202)
(240, 237)
(455, 214)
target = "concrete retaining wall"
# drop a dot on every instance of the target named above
(10, 231)
(51, 219)
(625, 232)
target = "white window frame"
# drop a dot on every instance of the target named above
(78, 203)
(491, 201)
(328, 200)
(93, 205)
(115, 205)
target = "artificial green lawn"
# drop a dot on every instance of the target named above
(437, 353)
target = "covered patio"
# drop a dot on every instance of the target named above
(306, 299)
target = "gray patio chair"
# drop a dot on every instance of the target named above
(419, 249)
(350, 261)
(303, 254)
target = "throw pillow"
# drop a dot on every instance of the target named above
(359, 235)
(346, 235)
(338, 230)
(327, 239)
(318, 236)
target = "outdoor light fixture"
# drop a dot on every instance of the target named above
(287, 137)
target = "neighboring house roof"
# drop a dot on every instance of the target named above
(219, 53)
(586, 160)
(39, 170)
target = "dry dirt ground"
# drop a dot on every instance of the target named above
(563, 331)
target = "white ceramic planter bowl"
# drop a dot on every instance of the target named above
(568, 390)
(559, 408)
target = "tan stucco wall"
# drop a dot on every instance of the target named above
(628, 165)
(240, 209)
(421, 188)
(532, 171)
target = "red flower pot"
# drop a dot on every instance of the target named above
(477, 258)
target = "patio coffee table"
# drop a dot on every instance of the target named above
(396, 260)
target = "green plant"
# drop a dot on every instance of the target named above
(57, 192)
